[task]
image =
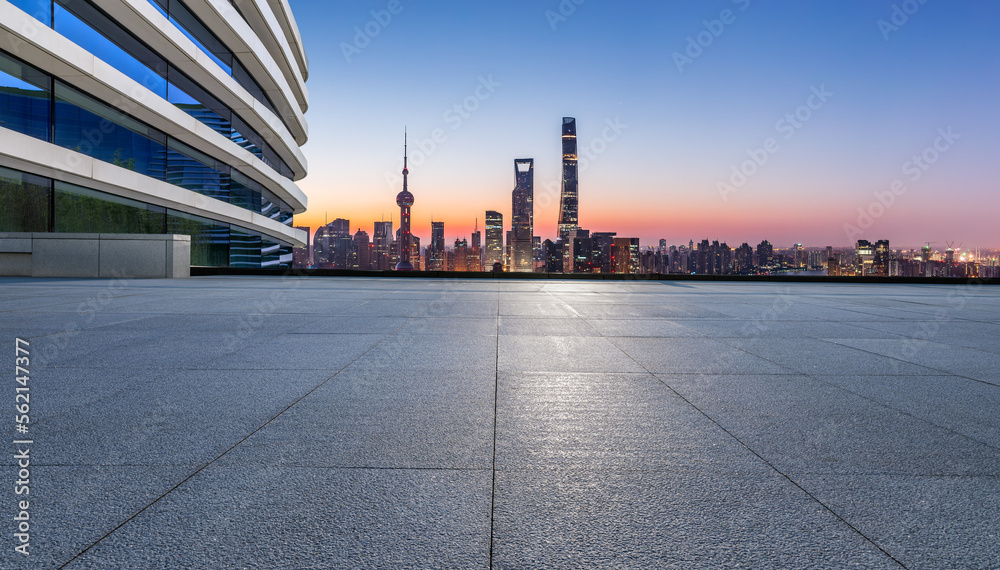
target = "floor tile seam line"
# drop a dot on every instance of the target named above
(765, 359)
(787, 477)
(374, 468)
(218, 457)
(609, 339)
(820, 380)
(773, 467)
(937, 370)
(903, 336)
(493, 466)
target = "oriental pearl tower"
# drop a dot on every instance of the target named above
(404, 200)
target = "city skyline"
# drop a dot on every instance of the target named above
(669, 131)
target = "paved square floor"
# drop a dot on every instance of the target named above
(253, 422)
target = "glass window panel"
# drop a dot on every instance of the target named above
(82, 210)
(190, 169)
(209, 239)
(270, 253)
(244, 192)
(95, 129)
(197, 32)
(243, 77)
(195, 101)
(41, 10)
(24, 202)
(286, 254)
(244, 248)
(25, 99)
(89, 28)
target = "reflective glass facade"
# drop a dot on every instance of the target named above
(38, 204)
(90, 28)
(88, 126)
(67, 113)
(25, 201)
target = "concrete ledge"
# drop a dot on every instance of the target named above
(133, 256)
(786, 278)
(15, 264)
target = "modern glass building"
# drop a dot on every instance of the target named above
(494, 238)
(155, 117)
(522, 215)
(569, 198)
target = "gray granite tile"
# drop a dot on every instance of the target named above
(924, 522)
(72, 507)
(960, 404)
(271, 517)
(563, 353)
(382, 419)
(802, 425)
(589, 518)
(695, 356)
(600, 421)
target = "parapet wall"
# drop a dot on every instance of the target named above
(126, 256)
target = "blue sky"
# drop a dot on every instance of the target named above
(680, 132)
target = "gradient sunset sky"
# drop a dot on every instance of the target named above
(893, 76)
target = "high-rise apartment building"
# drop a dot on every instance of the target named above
(522, 218)
(476, 250)
(363, 249)
(743, 260)
(569, 198)
(765, 254)
(436, 262)
(382, 239)
(493, 252)
(865, 253)
(461, 255)
(301, 255)
(881, 258)
(625, 255)
(156, 117)
(602, 242)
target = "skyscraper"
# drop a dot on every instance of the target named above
(476, 250)
(865, 253)
(404, 200)
(364, 250)
(436, 261)
(569, 198)
(765, 254)
(382, 239)
(523, 214)
(300, 255)
(494, 238)
(625, 255)
(880, 263)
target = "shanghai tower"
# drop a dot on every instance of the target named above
(404, 200)
(522, 218)
(569, 198)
